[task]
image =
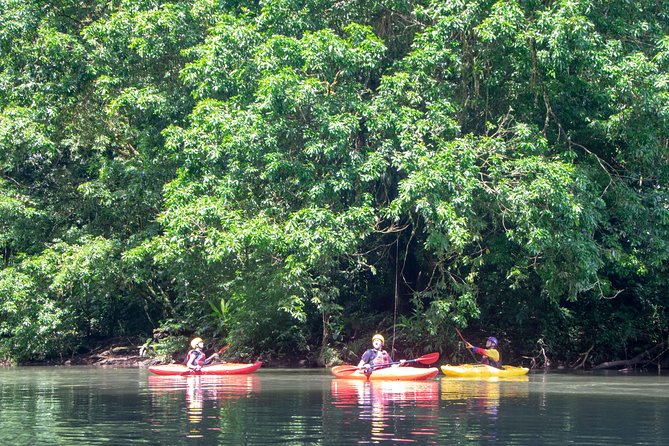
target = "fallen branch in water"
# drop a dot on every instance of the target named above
(643, 358)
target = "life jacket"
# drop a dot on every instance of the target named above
(199, 357)
(380, 357)
(489, 361)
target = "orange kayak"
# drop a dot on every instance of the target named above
(388, 373)
(226, 368)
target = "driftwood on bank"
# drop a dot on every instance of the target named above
(113, 356)
(642, 359)
(583, 357)
(535, 360)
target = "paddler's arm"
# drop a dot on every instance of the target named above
(489, 353)
(364, 361)
(191, 362)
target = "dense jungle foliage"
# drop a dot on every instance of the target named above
(291, 176)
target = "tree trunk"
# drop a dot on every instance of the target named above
(641, 359)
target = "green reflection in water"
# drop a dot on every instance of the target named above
(93, 406)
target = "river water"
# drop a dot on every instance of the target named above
(101, 406)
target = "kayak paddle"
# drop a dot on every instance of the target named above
(466, 342)
(430, 358)
(217, 354)
(460, 334)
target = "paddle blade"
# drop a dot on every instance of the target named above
(344, 370)
(430, 358)
(224, 348)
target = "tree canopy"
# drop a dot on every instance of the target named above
(294, 175)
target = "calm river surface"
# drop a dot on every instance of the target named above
(99, 406)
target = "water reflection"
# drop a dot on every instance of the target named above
(394, 410)
(116, 407)
(483, 395)
(198, 389)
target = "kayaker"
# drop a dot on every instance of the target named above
(489, 354)
(376, 357)
(196, 358)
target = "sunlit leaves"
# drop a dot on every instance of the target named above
(50, 301)
(288, 157)
(32, 326)
(504, 19)
(223, 65)
(18, 221)
(24, 140)
(566, 37)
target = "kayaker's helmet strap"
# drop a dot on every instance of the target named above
(379, 337)
(493, 340)
(194, 343)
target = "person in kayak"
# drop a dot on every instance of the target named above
(376, 357)
(196, 358)
(489, 354)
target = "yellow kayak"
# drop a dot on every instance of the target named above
(482, 371)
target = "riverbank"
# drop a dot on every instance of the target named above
(106, 354)
(126, 353)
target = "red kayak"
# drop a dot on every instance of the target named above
(226, 368)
